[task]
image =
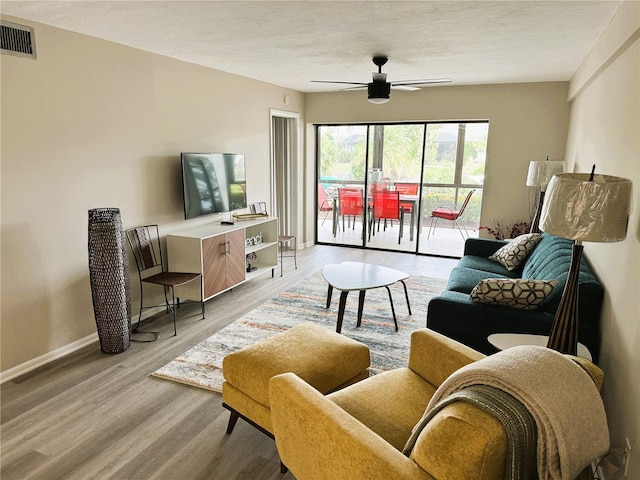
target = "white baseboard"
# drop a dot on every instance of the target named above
(46, 358)
(61, 352)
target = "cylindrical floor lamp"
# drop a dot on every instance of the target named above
(109, 276)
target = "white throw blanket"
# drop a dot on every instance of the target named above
(559, 394)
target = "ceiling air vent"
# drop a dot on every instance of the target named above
(18, 40)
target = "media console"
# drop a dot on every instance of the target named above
(220, 252)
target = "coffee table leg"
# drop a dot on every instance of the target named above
(343, 302)
(406, 295)
(329, 294)
(393, 310)
(360, 306)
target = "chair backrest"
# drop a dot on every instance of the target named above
(145, 245)
(466, 201)
(323, 201)
(407, 188)
(351, 201)
(386, 204)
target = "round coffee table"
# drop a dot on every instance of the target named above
(348, 276)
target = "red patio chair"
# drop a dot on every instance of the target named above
(407, 189)
(350, 204)
(450, 214)
(324, 204)
(386, 206)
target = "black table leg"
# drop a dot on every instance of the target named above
(406, 295)
(329, 294)
(393, 310)
(360, 306)
(343, 302)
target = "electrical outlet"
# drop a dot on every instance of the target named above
(627, 456)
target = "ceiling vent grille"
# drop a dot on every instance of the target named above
(17, 40)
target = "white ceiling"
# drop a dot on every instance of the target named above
(290, 43)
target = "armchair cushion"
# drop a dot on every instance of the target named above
(402, 388)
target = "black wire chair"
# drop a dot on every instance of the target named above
(145, 245)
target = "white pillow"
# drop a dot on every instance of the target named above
(513, 253)
(513, 292)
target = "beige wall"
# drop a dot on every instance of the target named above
(96, 124)
(526, 122)
(605, 130)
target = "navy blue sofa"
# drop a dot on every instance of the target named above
(453, 314)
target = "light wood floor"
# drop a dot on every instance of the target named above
(97, 416)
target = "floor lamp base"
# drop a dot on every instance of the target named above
(564, 332)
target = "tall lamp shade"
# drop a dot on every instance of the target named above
(539, 175)
(589, 208)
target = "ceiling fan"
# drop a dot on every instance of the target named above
(379, 88)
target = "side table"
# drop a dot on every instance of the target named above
(503, 341)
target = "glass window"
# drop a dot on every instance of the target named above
(475, 153)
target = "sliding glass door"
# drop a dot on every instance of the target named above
(453, 170)
(427, 171)
(341, 161)
(396, 166)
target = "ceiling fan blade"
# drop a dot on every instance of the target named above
(345, 83)
(406, 88)
(421, 82)
(357, 87)
(379, 77)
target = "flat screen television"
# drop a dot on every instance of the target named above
(213, 183)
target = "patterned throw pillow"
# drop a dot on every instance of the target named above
(513, 292)
(514, 252)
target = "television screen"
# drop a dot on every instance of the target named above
(213, 183)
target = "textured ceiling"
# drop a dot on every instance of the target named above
(290, 43)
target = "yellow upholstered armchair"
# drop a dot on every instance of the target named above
(359, 432)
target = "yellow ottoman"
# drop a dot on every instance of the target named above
(323, 358)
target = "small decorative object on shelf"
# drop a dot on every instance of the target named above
(254, 241)
(249, 216)
(251, 257)
(259, 207)
(109, 277)
(258, 210)
(502, 232)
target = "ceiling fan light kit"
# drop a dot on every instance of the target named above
(379, 89)
(379, 92)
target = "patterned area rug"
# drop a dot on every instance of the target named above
(201, 366)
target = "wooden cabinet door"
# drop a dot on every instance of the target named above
(236, 265)
(214, 265)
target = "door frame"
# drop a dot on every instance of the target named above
(295, 171)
